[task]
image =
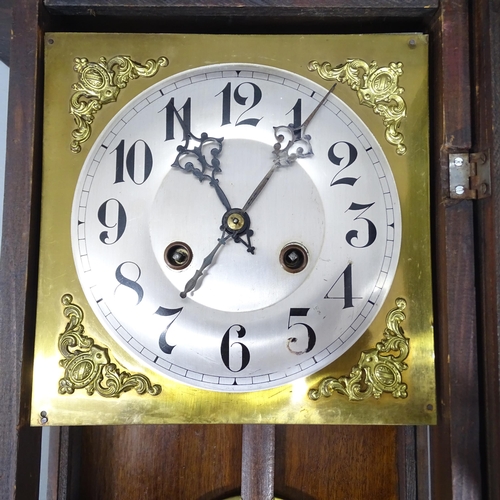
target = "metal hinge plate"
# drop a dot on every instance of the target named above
(470, 177)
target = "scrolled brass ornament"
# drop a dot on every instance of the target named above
(88, 366)
(100, 83)
(376, 87)
(377, 371)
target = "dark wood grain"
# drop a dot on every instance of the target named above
(423, 464)
(486, 137)
(330, 462)
(407, 462)
(5, 24)
(243, 16)
(455, 449)
(318, 8)
(174, 462)
(20, 444)
(205, 462)
(258, 459)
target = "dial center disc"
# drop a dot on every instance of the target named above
(239, 278)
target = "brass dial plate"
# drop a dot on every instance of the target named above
(177, 402)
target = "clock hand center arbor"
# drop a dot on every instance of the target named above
(236, 223)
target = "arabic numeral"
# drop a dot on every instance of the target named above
(297, 117)
(352, 236)
(234, 352)
(342, 153)
(240, 95)
(311, 335)
(130, 283)
(111, 214)
(343, 281)
(170, 115)
(139, 160)
(162, 341)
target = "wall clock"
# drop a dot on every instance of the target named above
(224, 229)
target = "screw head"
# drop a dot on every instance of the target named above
(460, 190)
(458, 162)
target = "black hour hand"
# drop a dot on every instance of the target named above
(192, 157)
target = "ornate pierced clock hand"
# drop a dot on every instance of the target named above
(206, 262)
(316, 109)
(204, 141)
(298, 147)
(235, 224)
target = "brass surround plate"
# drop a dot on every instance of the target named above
(178, 403)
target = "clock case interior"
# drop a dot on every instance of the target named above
(179, 403)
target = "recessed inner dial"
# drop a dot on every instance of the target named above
(246, 273)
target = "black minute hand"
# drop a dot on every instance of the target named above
(283, 156)
(315, 110)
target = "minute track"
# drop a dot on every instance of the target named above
(298, 206)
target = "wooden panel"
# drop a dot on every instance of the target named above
(486, 136)
(352, 8)
(20, 444)
(456, 459)
(407, 461)
(174, 462)
(258, 461)
(326, 462)
(204, 462)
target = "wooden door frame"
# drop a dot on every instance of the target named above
(466, 239)
(5, 23)
(485, 22)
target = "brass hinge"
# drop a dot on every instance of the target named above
(470, 177)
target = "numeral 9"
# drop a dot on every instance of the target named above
(111, 214)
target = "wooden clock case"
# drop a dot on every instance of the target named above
(455, 459)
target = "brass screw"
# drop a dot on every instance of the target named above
(235, 221)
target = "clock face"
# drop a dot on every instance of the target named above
(208, 284)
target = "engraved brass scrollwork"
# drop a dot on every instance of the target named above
(100, 83)
(377, 371)
(88, 366)
(376, 88)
